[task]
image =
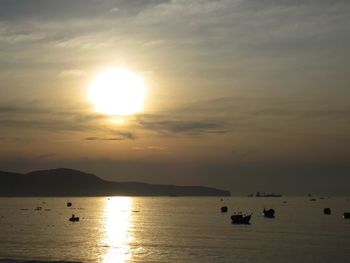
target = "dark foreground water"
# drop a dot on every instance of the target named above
(173, 229)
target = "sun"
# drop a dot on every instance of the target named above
(117, 91)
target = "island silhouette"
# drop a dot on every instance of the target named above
(70, 182)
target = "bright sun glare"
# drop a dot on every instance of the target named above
(117, 91)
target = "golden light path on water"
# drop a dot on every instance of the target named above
(118, 229)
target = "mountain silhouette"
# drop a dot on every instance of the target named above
(69, 182)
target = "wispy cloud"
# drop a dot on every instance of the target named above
(72, 73)
(184, 127)
(209, 117)
(48, 118)
(117, 136)
(46, 156)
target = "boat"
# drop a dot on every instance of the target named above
(327, 211)
(269, 213)
(74, 218)
(258, 194)
(224, 209)
(240, 219)
(346, 215)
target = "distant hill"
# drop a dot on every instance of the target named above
(69, 182)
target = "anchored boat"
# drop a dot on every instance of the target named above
(269, 213)
(74, 218)
(239, 218)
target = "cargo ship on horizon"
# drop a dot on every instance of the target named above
(263, 194)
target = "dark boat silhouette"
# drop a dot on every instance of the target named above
(74, 218)
(224, 209)
(269, 213)
(258, 194)
(346, 215)
(327, 211)
(240, 219)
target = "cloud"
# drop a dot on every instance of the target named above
(72, 73)
(182, 127)
(13, 38)
(114, 10)
(153, 43)
(172, 122)
(216, 117)
(128, 135)
(67, 10)
(49, 118)
(32, 117)
(46, 156)
(235, 36)
(92, 138)
(157, 148)
(82, 42)
(149, 147)
(119, 136)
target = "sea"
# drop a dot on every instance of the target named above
(173, 229)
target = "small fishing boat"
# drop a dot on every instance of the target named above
(224, 209)
(258, 194)
(327, 211)
(269, 213)
(239, 219)
(74, 218)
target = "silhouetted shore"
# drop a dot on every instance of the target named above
(69, 182)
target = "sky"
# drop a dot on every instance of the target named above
(244, 95)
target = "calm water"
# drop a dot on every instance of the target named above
(145, 229)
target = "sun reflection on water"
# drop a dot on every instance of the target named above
(117, 229)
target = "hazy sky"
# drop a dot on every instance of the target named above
(245, 95)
